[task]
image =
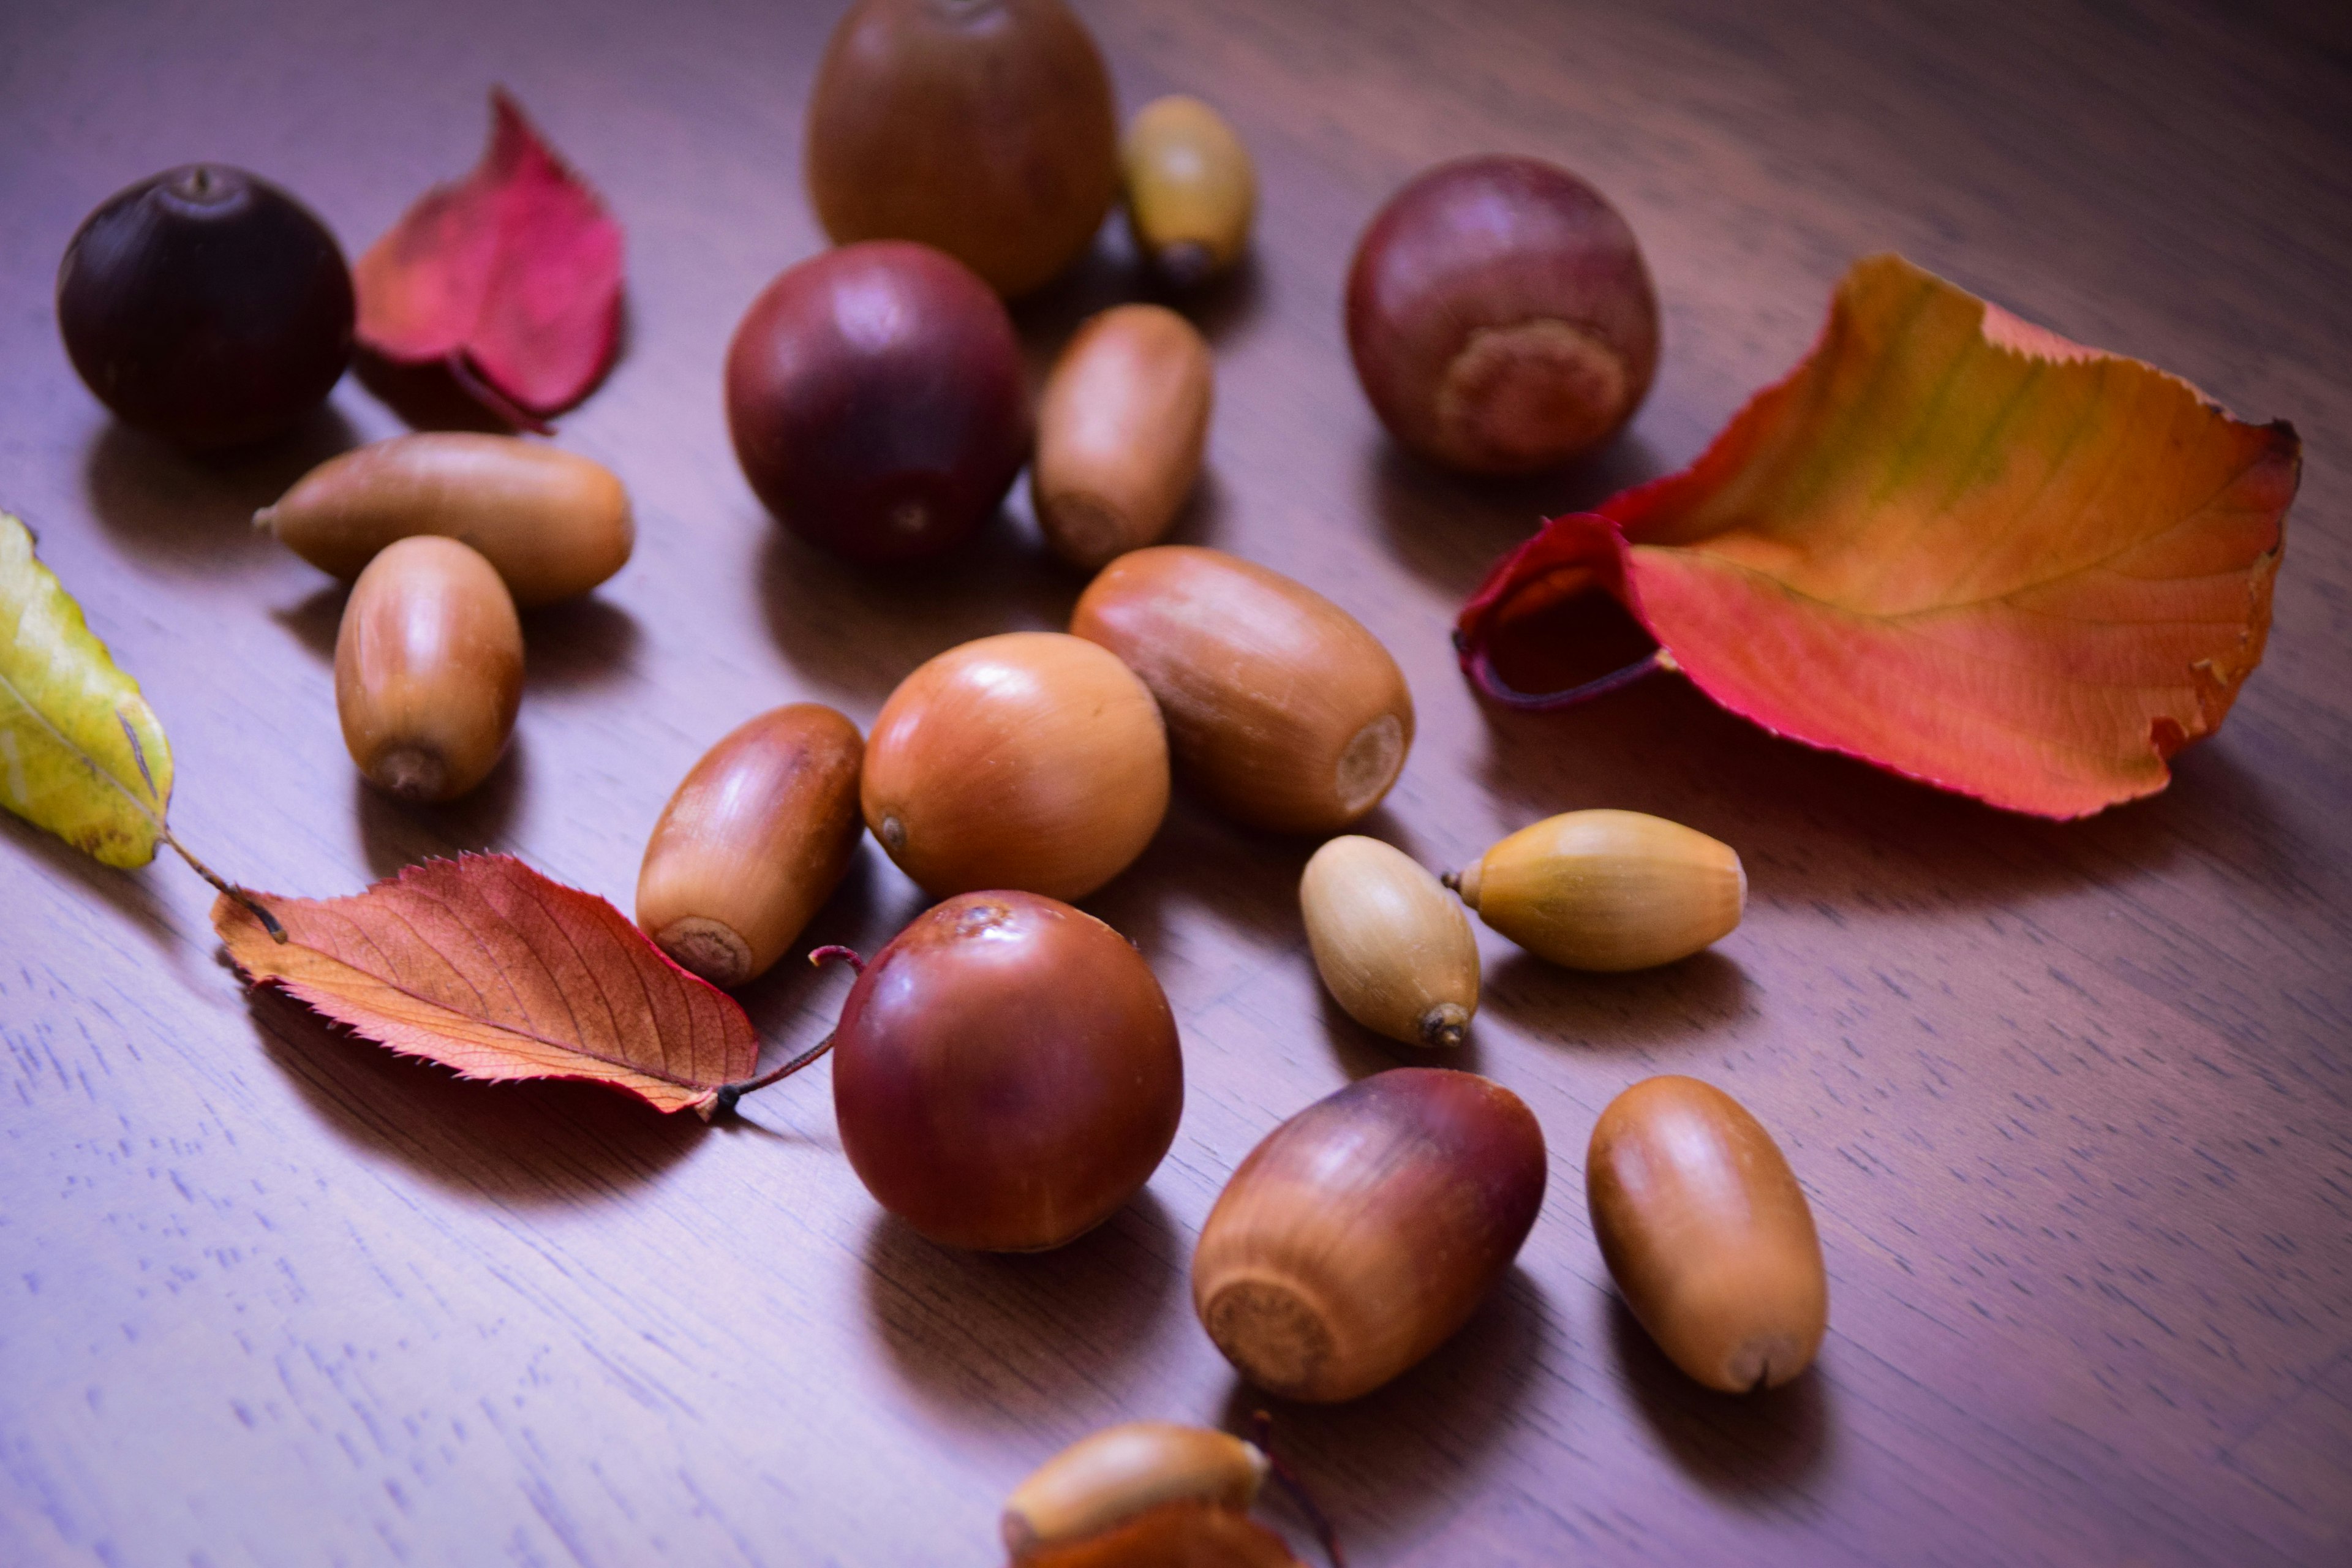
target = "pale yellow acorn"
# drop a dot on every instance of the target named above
(1392, 949)
(1108, 1480)
(1607, 889)
(1191, 190)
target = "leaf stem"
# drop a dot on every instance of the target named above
(730, 1093)
(1262, 1433)
(477, 387)
(1482, 672)
(826, 954)
(230, 889)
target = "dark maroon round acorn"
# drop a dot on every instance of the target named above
(877, 401)
(206, 306)
(1500, 316)
(1006, 1073)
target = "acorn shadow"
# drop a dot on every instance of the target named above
(863, 628)
(398, 834)
(534, 1143)
(1362, 1052)
(1381, 1465)
(1744, 1447)
(1696, 997)
(999, 1338)
(1200, 859)
(577, 644)
(193, 514)
(316, 621)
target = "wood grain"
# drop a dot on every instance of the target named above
(2071, 1102)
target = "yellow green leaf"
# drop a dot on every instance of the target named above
(80, 752)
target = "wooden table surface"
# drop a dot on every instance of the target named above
(2071, 1100)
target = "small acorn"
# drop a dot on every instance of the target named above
(1120, 432)
(428, 668)
(1366, 1229)
(758, 836)
(1281, 708)
(554, 523)
(1191, 190)
(1607, 889)
(1392, 949)
(1140, 1475)
(1707, 1233)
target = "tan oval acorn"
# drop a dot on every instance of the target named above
(1029, 759)
(1608, 890)
(1281, 708)
(1120, 432)
(1104, 1482)
(1366, 1229)
(758, 836)
(554, 523)
(1191, 190)
(428, 668)
(1707, 1233)
(1391, 947)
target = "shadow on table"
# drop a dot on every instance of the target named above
(397, 833)
(1751, 1446)
(1696, 997)
(1382, 1465)
(193, 512)
(863, 628)
(543, 1142)
(1002, 1338)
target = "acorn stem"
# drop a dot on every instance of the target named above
(730, 1093)
(1328, 1533)
(269, 921)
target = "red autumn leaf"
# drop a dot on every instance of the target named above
(485, 966)
(512, 277)
(1950, 544)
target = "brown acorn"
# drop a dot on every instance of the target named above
(1281, 708)
(428, 668)
(758, 836)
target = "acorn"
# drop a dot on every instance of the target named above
(1707, 1233)
(428, 668)
(1120, 432)
(983, 127)
(1191, 190)
(1392, 948)
(1281, 708)
(1607, 889)
(554, 523)
(1366, 1229)
(758, 836)
(1028, 759)
(1111, 1480)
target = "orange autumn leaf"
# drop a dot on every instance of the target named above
(485, 966)
(1950, 544)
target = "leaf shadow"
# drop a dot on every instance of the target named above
(863, 629)
(1842, 838)
(1389, 1464)
(192, 514)
(992, 1339)
(1450, 529)
(539, 1141)
(425, 396)
(129, 893)
(397, 834)
(1744, 1447)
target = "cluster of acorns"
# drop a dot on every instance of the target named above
(1006, 1070)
